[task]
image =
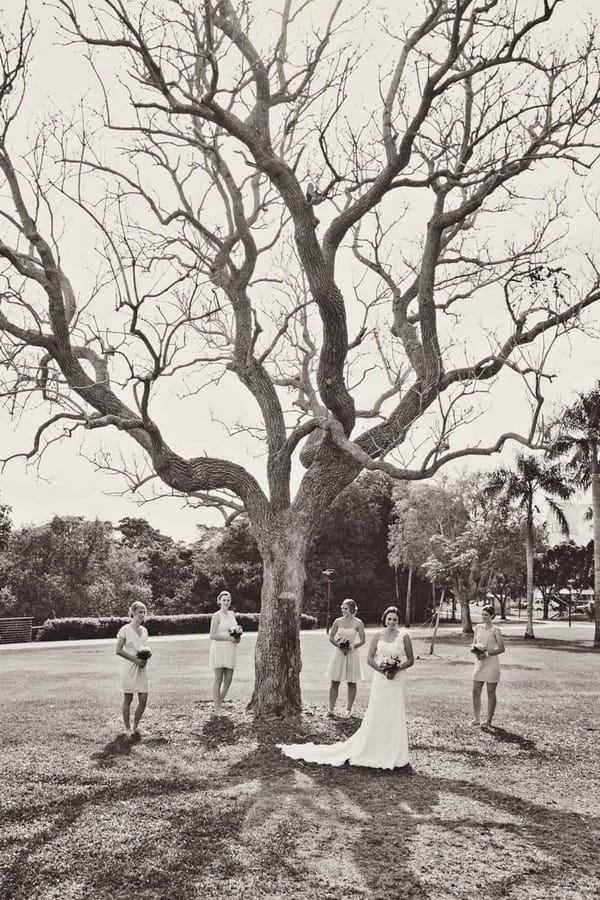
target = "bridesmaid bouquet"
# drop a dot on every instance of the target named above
(144, 654)
(389, 665)
(478, 650)
(344, 644)
(236, 632)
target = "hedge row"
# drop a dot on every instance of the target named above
(108, 626)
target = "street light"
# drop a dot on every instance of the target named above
(330, 575)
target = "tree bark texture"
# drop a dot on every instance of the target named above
(278, 659)
(465, 597)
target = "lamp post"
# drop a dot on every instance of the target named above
(329, 574)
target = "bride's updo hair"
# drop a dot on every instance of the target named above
(489, 610)
(350, 604)
(386, 612)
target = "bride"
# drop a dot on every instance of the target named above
(381, 742)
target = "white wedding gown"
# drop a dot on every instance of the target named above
(381, 742)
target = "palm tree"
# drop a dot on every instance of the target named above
(577, 434)
(522, 488)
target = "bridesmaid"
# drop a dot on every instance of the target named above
(487, 667)
(223, 649)
(131, 641)
(345, 663)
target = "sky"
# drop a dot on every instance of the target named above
(66, 482)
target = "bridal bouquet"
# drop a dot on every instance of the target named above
(389, 665)
(478, 650)
(344, 644)
(144, 654)
(236, 632)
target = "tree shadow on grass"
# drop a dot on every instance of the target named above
(122, 746)
(20, 878)
(266, 826)
(469, 662)
(476, 755)
(119, 747)
(577, 646)
(402, 824)
(218, 730)
(511, 737)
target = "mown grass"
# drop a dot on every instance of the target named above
(208, 808)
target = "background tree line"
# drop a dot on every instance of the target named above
(386, 543)
(77, 566)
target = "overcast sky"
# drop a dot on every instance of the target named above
(67, 484)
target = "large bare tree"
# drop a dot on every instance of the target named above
(353, 232)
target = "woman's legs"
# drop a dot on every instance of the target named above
(477, 689)
(226, 683)
(351, 695)
(333, 695)
(216, 689)
(491, 698)
(126, 711)
(139, 712)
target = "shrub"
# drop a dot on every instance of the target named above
(108, 626)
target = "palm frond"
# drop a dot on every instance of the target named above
(559, 515)
(557, 484)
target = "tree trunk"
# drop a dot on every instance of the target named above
(277, 658)
(546, 602)
(465, 615)
(529, 560)
(596, 535)
(408, 613)
(464, 598)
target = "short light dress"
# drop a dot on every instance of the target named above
(134, 678)
(488, 668)
(345, 666)
(222, 654)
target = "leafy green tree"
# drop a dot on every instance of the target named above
(505, 561)
(72, 566)
(530, 481)
(169, 564)
(51, 566)
(420, 513)
(139, 533)
(455, 563)
(353, 541)
(9, 605)
(226, 559)
(7, 598)
(566, 566)
(576, 435)
(5, 525)
(123, 580)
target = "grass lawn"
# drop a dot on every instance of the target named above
(209, 808)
